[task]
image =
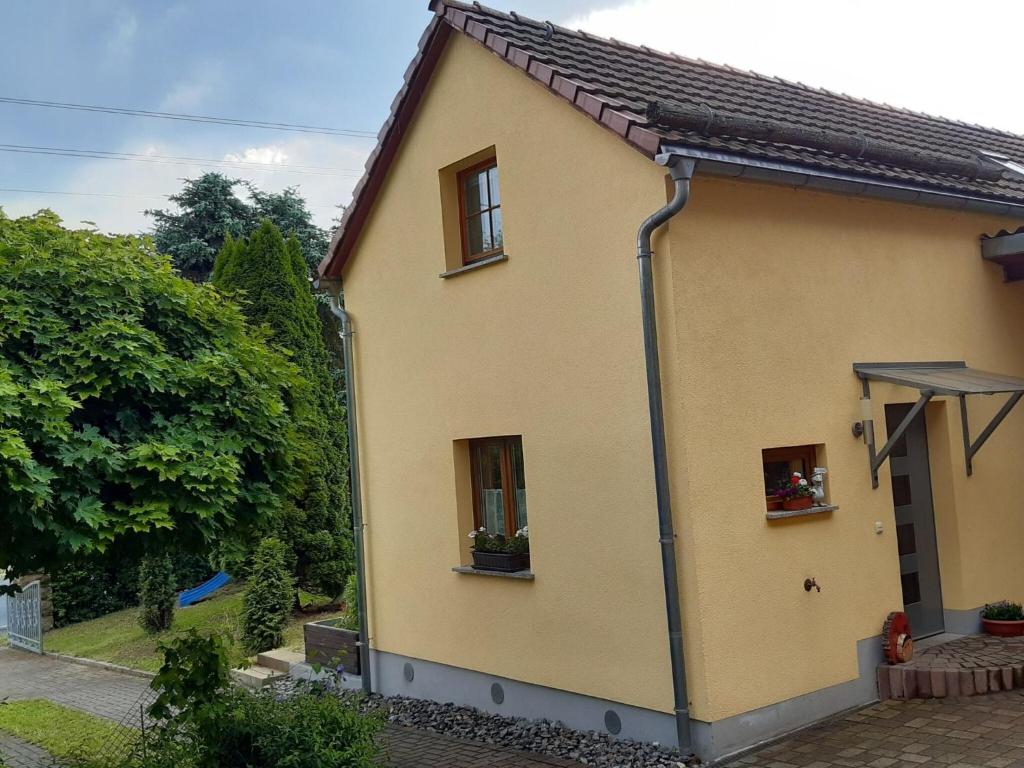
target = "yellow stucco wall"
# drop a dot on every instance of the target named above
(545, 345)
(766, 297)
(777, 292)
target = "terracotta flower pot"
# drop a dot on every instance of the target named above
(774, 503)
(1003, 628)
(794, 503)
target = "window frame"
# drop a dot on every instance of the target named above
(460, 177)
(806, 454)
(508, 490)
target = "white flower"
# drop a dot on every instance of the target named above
(482, 529)
(472, 534)
(803, 482)
(797, 475)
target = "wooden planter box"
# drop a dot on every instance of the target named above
(329, 645)
(504, 562)
(797, 502)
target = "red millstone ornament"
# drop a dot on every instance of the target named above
(897, 643)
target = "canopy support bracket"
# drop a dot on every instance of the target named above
(972, 448)
(877, 459)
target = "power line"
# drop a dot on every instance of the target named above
(83, 194)
(114, 194)
(296, 128)
(96, 154)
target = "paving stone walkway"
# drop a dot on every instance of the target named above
(984, 731)
(981, 731)
(21, 754)
(114, 695)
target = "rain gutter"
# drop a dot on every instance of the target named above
(734, 165)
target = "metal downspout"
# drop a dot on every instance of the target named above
(681, 170)
(357, 496)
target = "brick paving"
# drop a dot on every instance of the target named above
(21, 754)
(982, 731)
(968, 666)
(115, 696)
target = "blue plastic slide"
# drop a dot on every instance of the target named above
(203, 591)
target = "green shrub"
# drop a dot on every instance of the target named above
(268, 275)
(157, 595)
(204, 723)
(269, 598)
(193, 677)
(351, 599)
(1004, 610)
(137, 410)
(89, 586)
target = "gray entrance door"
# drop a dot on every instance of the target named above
(915, 524)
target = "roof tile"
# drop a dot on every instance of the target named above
(613, 82)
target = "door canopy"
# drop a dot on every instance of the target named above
(938, 379)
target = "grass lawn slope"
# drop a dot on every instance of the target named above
(118, 638)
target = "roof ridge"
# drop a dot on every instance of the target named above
(671, 55)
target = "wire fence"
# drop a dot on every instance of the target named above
(127, 739)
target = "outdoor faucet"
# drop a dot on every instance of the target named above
(810, 584)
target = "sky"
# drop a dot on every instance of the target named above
(339, 63)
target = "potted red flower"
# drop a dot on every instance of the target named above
(1003, 619)
(796, 493)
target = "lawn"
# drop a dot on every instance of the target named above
(79, 736)
(118, 638)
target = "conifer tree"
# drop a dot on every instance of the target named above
(268, 275)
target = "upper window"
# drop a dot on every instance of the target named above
(499, 484)
(480, 210)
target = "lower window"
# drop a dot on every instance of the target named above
(779, 464)
(499, 484)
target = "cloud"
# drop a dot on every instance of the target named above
(270, 155)
(136, 186)
(936, 57)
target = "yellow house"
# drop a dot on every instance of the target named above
(820, 284)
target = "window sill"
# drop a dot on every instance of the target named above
(783, 514)
(520, 575)
(496, 259)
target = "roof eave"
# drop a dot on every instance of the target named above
(735, 165)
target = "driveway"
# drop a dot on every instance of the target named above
(117, 696)
(982, 731)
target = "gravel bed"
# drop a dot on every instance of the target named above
(541, 736)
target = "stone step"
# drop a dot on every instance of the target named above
(256, 677)
(280, 659)
(907, 681)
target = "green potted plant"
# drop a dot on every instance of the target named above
(796, 493)
(495, 552)
(1003, 619)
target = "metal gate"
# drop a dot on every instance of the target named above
(24, 619)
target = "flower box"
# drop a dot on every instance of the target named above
(774, 503)
(329, 645)
(794, 503)
(505, 562)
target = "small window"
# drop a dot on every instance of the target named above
(480, 210)
(780, 464)
(499, 484)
